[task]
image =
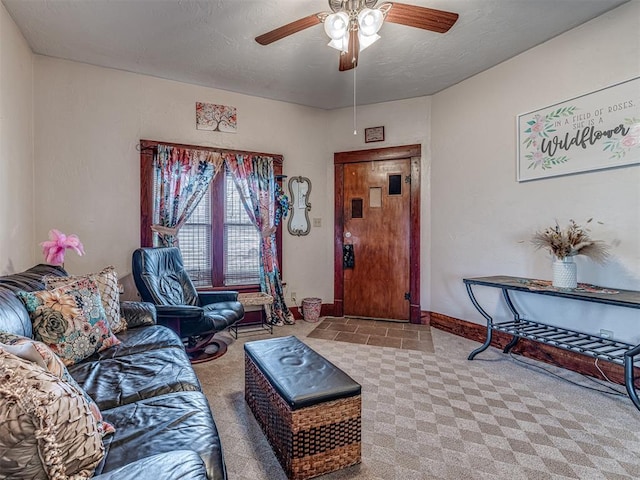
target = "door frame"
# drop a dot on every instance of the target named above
(412, 152)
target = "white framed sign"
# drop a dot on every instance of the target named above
(594, 131)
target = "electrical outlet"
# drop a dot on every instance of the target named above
(317, 222)
(606, 333)
(294, 296)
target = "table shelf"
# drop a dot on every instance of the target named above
(594, 346)
(610, 350)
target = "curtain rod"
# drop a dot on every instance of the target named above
(151, 145)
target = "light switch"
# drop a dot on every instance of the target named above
(317, 222)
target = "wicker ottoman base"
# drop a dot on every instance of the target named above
(309, 441)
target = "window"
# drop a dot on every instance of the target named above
(220, 246)
(241, 239)
(195, 243)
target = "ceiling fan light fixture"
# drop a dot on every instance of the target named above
(341, 44)
(367, 40)
(362, 16)
(370, 21)
(336, 25)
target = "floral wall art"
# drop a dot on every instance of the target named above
(591, 132)
(216, 118)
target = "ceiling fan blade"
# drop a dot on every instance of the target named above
(349, 59)
(421, 17)
(289, 29)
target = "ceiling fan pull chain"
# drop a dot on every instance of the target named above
(355, 132)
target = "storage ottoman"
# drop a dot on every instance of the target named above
(309, 409)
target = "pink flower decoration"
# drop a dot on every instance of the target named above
(538, 126)
(55, 248)
(538, 158)
(632, 138)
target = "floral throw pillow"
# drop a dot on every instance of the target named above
(70, 320)
(47, 430)
(107, 280)
(40, 354)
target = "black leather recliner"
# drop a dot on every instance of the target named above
(161, 279)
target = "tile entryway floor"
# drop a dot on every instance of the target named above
(379, 333)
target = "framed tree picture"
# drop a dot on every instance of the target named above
(216, 118)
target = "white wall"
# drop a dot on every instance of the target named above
(17, 239)
(406, 122)
(89, 121)
(482, 219)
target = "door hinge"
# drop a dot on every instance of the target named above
(407, 179)
(407, 295)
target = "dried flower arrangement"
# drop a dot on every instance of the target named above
(573, 240)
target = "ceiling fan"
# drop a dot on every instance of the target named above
(353, 25)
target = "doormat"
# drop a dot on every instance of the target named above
(379, 333)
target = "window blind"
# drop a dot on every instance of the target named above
(194, 239)
(241, 240)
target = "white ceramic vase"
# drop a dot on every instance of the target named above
(565, 273)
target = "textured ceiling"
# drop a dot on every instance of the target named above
(211, 43)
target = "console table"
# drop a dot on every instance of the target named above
(574, 341)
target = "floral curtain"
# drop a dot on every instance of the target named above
(181, 178)
(265, 204)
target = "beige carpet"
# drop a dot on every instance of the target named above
(439, 416)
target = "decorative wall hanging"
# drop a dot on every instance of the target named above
(299, 189)
(374, 134)
(216, 118)
(591, 132)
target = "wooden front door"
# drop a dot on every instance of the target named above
(376, 238)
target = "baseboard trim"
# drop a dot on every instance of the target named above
(539, 351)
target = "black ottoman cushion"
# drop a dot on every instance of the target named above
(301, 376)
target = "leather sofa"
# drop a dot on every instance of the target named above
(145, 386)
